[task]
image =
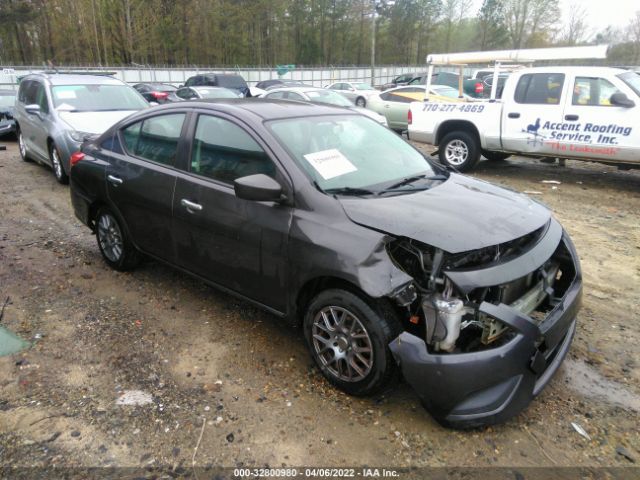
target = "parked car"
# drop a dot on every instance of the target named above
(278, 83)
(226, 80)
(54, 112)
(157, 92)
(401, 80)
(7, 102)
(471, 86)
(394, 103)
(332, 221)
(581, 113)
(357, 92)
(321, 96)
(190, 93)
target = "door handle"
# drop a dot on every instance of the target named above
(114, 180)
(190, 206)
(514, 115)
(571, 118)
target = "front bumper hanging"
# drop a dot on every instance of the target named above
(466, 390)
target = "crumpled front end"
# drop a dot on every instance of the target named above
(488, 328)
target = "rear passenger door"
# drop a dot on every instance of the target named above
(141, 180)
(238, 244)
(530, 118)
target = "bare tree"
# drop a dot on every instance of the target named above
(531, 23)
(576, 28)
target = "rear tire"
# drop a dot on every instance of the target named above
(349, 338)
(459, 150)
(495, 156)
(113, 242)
(56, 164)
(361, 102)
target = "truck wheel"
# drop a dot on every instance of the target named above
(361, 102)
(349, 341)
(56, 163)
(113, 242)
(495, 156)
(459, 150)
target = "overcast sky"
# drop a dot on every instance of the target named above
(601, 13)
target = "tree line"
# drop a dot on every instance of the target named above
(271, 32)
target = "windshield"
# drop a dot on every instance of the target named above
(217, 93)
(328, 96)
(446, 92)
(349, 151)
(362, 86)
(632, 79)
(231, 81)
(7, 100)
(97, 98)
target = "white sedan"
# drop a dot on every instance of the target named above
(357, 92)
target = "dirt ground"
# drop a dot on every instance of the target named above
(239, 383)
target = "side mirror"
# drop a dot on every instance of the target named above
(32, 109)
(621, 100)
(258, 188)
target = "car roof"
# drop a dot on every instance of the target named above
(265, 108)
(297, 89)
(74, 79)
(204, 87)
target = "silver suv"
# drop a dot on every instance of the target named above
(54, 112)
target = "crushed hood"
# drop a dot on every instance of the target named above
(458, 215)
(93, 122)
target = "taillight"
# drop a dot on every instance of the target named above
(479, 87)
(409, 117)
(159, 95)
(75, 158)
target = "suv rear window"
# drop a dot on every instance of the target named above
(540, 88)
(231, 81)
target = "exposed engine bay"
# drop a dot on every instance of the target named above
(448, 317)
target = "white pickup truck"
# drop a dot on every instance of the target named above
(588, 113)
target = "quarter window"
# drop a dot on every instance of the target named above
(593, 91)
(223, 151)
(540, 88)
(155, 138)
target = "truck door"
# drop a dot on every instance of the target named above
(604, 130)
(534, 111)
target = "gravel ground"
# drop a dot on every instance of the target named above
(216, 369)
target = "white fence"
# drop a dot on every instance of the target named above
(318, 77)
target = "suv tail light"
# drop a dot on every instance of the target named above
(409, 117)
(159, 95)
(479, 87)
(75, 158)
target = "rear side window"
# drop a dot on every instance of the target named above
(223, 151)
(593, 91)
(540, 88)
(155, 138)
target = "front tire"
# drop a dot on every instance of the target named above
(56, 164)
(348, 338)
(22, 147)
(361, 102)
(113, 242)
(459, 150)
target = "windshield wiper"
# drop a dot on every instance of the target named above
(414, 178)
(349, 191)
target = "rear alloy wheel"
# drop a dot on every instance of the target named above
(348, 339)
(459, 150)
(495, 156)
(56, 163)
(22, 147)
(113, 243)
(361, 102)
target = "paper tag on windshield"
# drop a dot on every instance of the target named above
(330, 163)
(66, 94)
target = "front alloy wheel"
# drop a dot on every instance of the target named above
(22, 146)
(56, 163)
(361, 102)
(342, 344)
(348, 336)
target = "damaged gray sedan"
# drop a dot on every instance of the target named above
(391, 264)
